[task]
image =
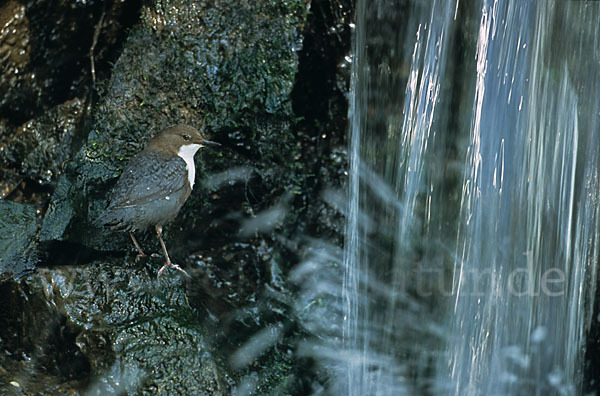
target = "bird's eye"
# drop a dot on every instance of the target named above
(186, 137)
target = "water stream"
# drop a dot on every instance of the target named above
(472, 236)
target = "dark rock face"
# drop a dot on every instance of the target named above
(237, 69)
(45, 81)
(64, 328)
(38, 150)
(18, 229)
(46, 47)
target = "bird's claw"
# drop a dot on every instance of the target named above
(169, 264)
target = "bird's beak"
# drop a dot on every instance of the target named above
(209, 143)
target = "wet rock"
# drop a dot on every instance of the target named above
(38, 350)
(46, 50)
(107, 328)
(15, 47)
(18, 229)
(320, 94)
(67, 201)
(40, 147)
(243, 289)
(231, 66)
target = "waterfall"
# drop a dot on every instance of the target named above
(526, 245)
(472, 231)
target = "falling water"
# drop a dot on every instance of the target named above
(396, 182)
(473, 224)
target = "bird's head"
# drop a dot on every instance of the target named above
(180, 137)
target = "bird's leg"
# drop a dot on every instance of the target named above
(137, 246)
(168, 262)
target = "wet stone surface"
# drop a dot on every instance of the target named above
(39, 149)
(18, 230)
(131, 332)
(45, 48)
(89, 319)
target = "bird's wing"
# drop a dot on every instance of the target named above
(147, 178)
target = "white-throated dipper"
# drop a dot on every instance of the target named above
(155, 185)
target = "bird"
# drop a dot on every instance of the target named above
(154, 186)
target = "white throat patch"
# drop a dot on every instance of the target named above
(187, 154)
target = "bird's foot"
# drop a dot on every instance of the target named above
(140, 256)
(169, 264)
